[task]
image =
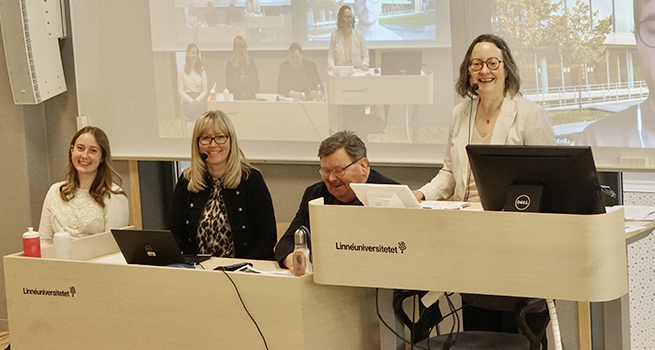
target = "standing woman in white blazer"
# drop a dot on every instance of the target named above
(347, 44)
(494, 113)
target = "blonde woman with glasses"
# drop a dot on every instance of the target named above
(221, 205)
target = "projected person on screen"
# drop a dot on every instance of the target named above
(233, 17)
(298, 77)
(343, 161)
(252, 8)
(211, 16)
(192, 84)
(495, 113)
(90, 199)
(347, 44)
(192, 22)
(241, 77)
(221, 205)
(634, 126)
(368, 12)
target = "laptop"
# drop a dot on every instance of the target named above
(343, 71)
(397, 196)
(153, 247)
(401, 62)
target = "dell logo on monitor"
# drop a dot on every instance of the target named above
(522, 202)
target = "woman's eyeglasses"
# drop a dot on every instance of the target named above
(219, 139)
(492, 63)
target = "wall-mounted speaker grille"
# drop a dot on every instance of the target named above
(33, 59)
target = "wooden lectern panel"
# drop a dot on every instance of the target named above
(386, 89)
(59, 304)
(569, 257)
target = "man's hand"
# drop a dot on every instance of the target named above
(419, 195)
(288, 261)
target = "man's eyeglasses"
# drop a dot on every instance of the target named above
(219, 139)
(646, 32)
(492, 63)
(337, 172)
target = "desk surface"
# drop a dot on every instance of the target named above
(276, 121)
(60, 304)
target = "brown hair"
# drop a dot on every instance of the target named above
(198, 67)
(512, 77)
(102, 184)
(348, 140)
(340, 21)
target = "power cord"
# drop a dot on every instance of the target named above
(377, 310)
(246, 309)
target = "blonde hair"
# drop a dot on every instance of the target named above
(105, 175)
(237, 164)
(236, 60)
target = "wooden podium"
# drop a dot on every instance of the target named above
(366, 89)
(568, 257)
(95, 304)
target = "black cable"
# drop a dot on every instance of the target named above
(309, 118)
(246, 309)
(413, 319)
(377, 310)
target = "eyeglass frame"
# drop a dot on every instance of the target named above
(341, 171)
(213, 138)
(483, 63)
(638, 31)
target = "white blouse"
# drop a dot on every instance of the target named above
(81, 216)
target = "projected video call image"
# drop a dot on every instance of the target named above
(380, 20)
(599, 100)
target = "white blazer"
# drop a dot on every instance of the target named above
(520, 122)
(337, 54)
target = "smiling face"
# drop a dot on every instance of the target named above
(240, 47)
(192, 55)
(86, 155)
(347, 18)
(339, 186)
(491, 82)
(217, 154)
(368, 11)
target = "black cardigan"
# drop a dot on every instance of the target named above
(249, 211)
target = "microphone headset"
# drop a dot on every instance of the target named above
(474, 87)
(203, 156)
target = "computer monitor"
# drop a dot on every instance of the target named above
(401, 62)
(547, 179)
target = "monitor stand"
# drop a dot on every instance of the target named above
(523, 198)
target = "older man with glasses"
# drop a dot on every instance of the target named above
(343, 161)
(633, 126)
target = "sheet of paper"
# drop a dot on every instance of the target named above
(639, 213)
(447, 205)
